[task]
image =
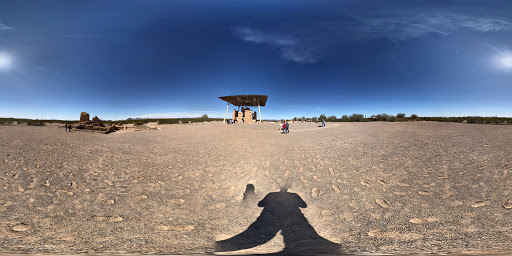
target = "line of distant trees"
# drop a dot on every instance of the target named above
(402, 117)
(135, 121)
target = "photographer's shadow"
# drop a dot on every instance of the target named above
(281, 212)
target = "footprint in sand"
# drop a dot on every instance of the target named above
(174, 228)
(424, 220)
(365, 183)
(507, 204)
(383, 203)
(457, 203)
(315, 192)
(416, 221)
(3, 206)
(20, 228)
(112, 218)
(336, 189)
(176, 201)
(327, 214)
(141, 197)
(480, 203)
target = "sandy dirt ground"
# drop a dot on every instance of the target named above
(369, 187)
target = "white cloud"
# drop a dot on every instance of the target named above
(291, 48)
(308, 43)
(408, 27)
(255, 36)
(5, 27)
(486, 25)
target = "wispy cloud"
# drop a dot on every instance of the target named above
(291, 47)
(5, 27)
(86, 36)
(407, 27)
(309, 43)
(190, 114)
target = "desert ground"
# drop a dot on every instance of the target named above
(369, 187)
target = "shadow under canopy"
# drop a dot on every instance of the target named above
(281, 212)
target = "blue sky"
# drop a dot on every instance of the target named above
(120, 59)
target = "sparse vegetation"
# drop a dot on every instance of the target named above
(35, 123)
(331, 119)
(356, 117)
(140, 122)
(400, 117)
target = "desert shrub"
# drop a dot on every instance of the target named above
(314, 119)
(332, 119)
(168, 121)
(414, 117)
(303, 118)
(471, 120)
(382, 117)
(35, 123)
(322, 117)
(140, 122)
(205, 116)
(400, 116)
(356, 117)
(345, 118)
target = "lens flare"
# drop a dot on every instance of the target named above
(506, 62)
(5, 61)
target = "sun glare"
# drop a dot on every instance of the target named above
(5, 61)
(506, 62)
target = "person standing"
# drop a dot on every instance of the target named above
(287, 127)
(66, 127)
(284, 127)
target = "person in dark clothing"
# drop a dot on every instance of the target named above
(66, 127)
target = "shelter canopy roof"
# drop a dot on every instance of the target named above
(246, 100)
